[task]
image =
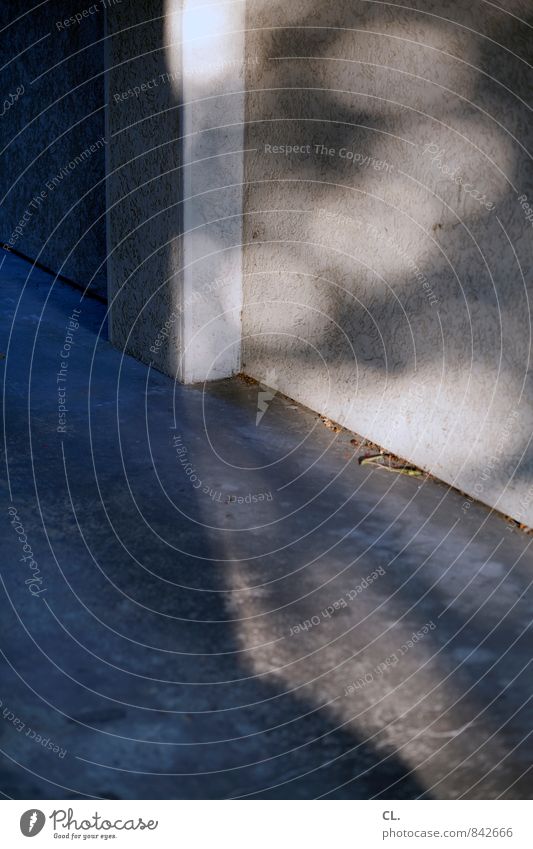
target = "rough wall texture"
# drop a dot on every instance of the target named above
(175, 185)
(214, 108)
(144, 181)
(388, 249)
(52, 138)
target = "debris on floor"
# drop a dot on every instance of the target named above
(251, 381)
(391, 464)
(336, 428)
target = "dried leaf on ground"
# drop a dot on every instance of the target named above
(391, 464)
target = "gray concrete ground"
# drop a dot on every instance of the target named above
(183, 637)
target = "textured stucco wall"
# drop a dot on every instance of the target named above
(387, 270)
(175, 186)
(213, 110)
(52, 112)
(144, 181)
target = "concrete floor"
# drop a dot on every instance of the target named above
(166, 658)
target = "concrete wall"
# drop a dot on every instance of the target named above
(175, 186)
(52, 138)
(388, 258)
(144, 183)
(214, 112)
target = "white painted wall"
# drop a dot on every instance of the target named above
(388, 259)
(175, 185)
(213, 176)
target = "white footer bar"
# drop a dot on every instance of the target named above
(267, 824)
